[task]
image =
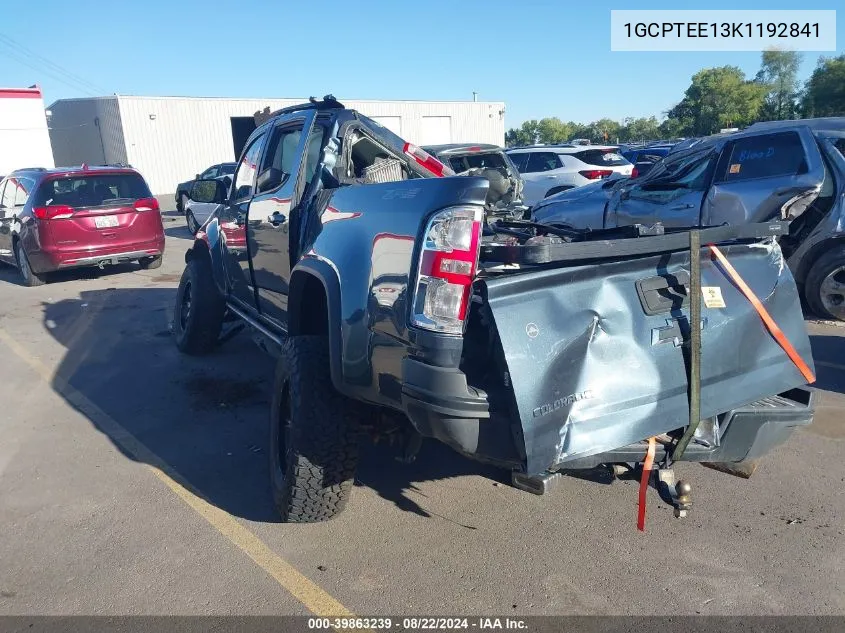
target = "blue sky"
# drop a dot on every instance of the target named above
(543, 58)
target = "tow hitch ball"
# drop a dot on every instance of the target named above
(677, 493)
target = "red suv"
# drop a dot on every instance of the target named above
(52, 219)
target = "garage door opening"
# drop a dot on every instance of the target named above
(242, 127)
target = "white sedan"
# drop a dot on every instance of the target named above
(550, 169)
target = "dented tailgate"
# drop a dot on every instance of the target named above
(596, 357)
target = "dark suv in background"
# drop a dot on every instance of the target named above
(183, 189)
(72, 217)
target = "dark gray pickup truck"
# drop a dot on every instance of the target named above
(393, 304)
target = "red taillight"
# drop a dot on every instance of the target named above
(593, 174)
(447, 266)
(635, 172)
(53, 212)
(146, 204)
(424, 159)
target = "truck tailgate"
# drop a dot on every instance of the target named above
(595, 352)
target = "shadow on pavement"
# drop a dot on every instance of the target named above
(179, 231)
(10, 274)
(827, 351)
(204, 417)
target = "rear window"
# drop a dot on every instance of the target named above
(227, 169)
(92, 190)
(763, 156)
(478, 160)
(601, 157)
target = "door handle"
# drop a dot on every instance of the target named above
(679, 207)
(276, 219)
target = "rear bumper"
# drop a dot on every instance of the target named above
(51, 259)
(441, 405)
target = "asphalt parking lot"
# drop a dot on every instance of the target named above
(133, 480)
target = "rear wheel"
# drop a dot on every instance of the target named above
(198, 317)
(151, 263)
(313, 435)
(824, 288)
(29, 278)
(182, 205)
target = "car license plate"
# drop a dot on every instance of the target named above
(105, 221)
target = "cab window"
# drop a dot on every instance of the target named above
(244, 181)
(542, 161)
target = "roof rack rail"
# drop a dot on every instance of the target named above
(327, 103)
(30, 169)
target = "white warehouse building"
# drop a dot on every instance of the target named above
(169, 139)
(24, 141)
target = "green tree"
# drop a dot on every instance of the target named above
(526, 134)
(643, 129)
(553, 130)
(824, 92)
(779, 72)
(672, 128)
(603, 131)
(718, 98)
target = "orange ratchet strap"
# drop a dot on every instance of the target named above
(647, 464)
(773, 328)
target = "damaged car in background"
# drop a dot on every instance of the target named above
(399, 308)
(781, 170)
(504, 197)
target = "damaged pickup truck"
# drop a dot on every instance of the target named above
(396, 307)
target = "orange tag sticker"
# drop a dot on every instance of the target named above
(735, 168)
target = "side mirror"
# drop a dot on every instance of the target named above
(196, 176)
(209, 191)
(227, 182)
(269, 179)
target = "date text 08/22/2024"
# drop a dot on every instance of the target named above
(417, 623)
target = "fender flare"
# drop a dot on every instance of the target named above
(324, 273)
(201, 248)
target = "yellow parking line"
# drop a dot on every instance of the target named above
(824, 363)
(309, 593)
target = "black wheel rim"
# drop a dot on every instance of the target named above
(283, 441)
(185, 306)
(832, 292)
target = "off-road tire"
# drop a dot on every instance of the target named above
(29, 278)
(151, 263)
(814, 284)
(198, 316)
(313, 435)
